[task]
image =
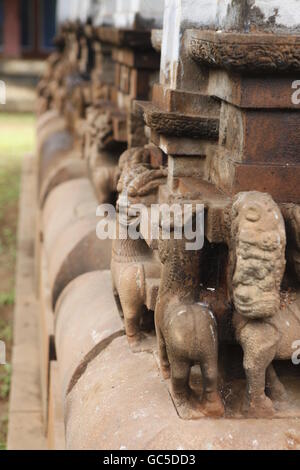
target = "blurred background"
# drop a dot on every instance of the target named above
(27, 28)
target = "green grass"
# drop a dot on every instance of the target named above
(17, 133)
(5, 379)
(7, 299)
(3, 431)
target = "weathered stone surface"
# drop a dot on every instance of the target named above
(185, 102)
(136, 59)
(172, 145)
(125, 37)
(121, 403)
(87, 321)
(252, 91)
(66, 170)
(243, 135)
(53, 149)
(180, 125)
(246, 52)
(45, 119)
(56, 425)
(232, 178)
(77, 250)
(68, 202)
(46, 335)
(25, 414)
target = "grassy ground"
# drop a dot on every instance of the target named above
(16, 139)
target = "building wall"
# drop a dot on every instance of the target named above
(28, 27)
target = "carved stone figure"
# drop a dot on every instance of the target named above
(135, 270)
(101, 153)
(291, 214)
(186, 332)
(266, 322)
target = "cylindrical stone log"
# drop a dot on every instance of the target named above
(67, 202)
(77, 250)
(57, 146)
(120, 402)
(86, 321)
(66, 170)
(70, 240)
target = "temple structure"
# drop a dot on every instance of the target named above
(27, 28)
(152, 341)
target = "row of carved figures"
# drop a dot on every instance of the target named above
(264, 315)
(262, 267)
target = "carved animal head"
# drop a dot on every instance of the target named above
(258, 254)
(139, 182)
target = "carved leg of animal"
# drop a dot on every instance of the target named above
(132, 305)
(259, 341)
(114, 288)
(180, 374)
(212, 404)
(274, 388)
(163, 355)
(132, 319)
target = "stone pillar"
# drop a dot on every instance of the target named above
(255, 75)
(136, 63)
(183, 118)
(12, 29)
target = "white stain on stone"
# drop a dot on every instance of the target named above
(139, 414)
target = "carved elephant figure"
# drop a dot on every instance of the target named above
(266, 325)
(186, 333)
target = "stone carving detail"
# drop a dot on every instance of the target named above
(251, 52)
(265, 324)
(291, 214)
(101, 153)
(186, 332)
(133, 262)
(182, 125)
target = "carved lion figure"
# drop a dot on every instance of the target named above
(265, 327)
(133, 262)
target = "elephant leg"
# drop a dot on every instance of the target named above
(180, 375)
(212, 404)
(163, 355)
(274, 388)
(186, 401)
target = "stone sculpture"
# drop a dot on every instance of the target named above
(186, 331)
(133, 262)
(101, 152)
(264, 326)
